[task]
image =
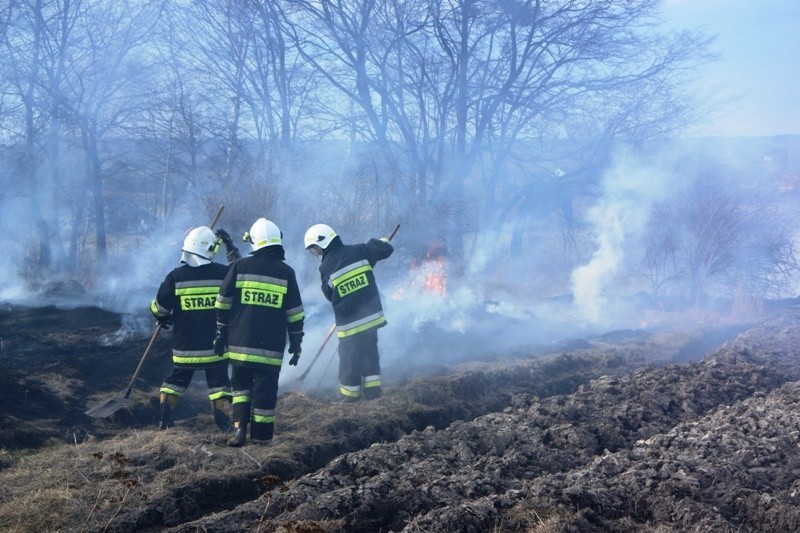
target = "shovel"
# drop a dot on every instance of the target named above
(112, 405)
(117, 403)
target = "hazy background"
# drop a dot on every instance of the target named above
(558, 169)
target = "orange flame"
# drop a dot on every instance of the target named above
(428, 276)
(434, 279)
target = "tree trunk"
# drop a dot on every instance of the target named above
(37, 197)
(55, 178)
(96, 180)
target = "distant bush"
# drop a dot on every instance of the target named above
(717, 239)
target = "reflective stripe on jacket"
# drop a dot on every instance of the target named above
(260, 302)
(189, 294)
(348, 282)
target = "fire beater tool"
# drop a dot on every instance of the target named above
(116, 403)
(330, 333)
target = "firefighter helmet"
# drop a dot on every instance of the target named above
(320, 235)
(199, 246)
(263, 233)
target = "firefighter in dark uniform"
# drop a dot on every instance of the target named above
(349, 284)
(186, 299)
(257, 306)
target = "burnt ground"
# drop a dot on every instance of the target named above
(676, 429)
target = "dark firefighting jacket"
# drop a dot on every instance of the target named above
(349, 284)
(189, 293)
(259, 301)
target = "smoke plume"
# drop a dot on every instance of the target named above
(618, 219)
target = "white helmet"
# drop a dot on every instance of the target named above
(319, 234)
(199, 246)
(263, 233)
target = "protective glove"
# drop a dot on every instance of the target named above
(165, 321)
(223, 236)
(231, 250)
(221, 340)
(295, 340)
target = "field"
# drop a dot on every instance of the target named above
(669, 429)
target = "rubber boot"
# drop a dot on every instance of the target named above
(241, 416)
(371, 393)
(220, 409)
(262, 433)
(239, 436)
(166, 417)
(168, 403)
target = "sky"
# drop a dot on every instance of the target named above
(759, 45)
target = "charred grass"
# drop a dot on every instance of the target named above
(124, 475)
(708, 446)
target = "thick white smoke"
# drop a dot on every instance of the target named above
(618, 218)
(12, 261)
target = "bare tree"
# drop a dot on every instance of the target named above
(218, 55)
(503, 74)
(385, 69)
(461, 114)
(24, 47)
(107, 74)
(178, 125)
(58, 24)
(280, 86)
(70, 62)
(377, 57)
(557, 70)
(717, 236)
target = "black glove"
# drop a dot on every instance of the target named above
(232, 252)
(165, 321)
(221, 340)
(225, 238)
(295, 340)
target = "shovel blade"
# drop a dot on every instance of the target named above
(108, 407)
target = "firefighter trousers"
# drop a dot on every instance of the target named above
(219, 386)
(255, 394)
(359, 365)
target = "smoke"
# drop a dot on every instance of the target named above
(618, 219)
(13, 262)
(425, 328)
(438, 317)
(132, 279)
(504, 300)
(125, 283)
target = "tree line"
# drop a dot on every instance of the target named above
(472, 117)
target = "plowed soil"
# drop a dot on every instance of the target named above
(676, 429)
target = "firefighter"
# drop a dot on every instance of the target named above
(186, 299)
(349, 284)
(257, 306)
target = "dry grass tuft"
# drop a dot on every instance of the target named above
(526, 517)
(95, 485)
